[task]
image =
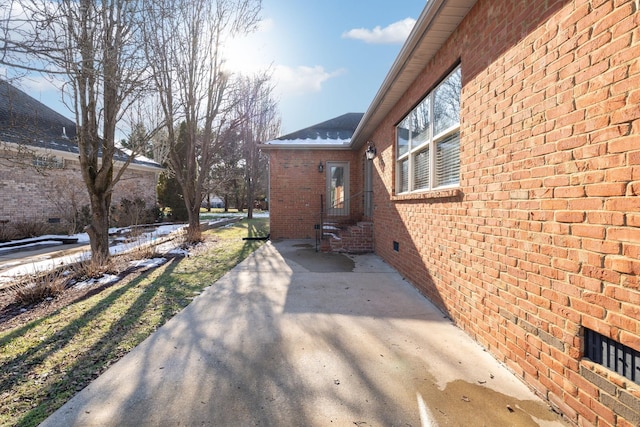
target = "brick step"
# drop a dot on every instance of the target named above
(355, 238)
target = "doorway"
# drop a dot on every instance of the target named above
(368, 188)
(338, 188)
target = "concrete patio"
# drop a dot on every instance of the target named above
(292, 337)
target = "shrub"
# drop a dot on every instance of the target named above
(38, 287)
(130, 212)
(170, 196)
(85, 270)
(83, 218)
(77, 219)
(143, 250)
(6, 232)
(30, 228)
(155, 214)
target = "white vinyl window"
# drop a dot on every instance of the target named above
(428, 140)
(48, 162)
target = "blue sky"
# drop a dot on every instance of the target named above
(327, 57)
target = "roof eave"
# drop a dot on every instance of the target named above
(67, 155)
(436, 23)
(304, 146)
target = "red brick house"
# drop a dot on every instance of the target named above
(506, 187)
(40, 178)
(314, 176)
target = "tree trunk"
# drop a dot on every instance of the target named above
(192, 203)
(250, 198)
(98, 230)
(194, 233)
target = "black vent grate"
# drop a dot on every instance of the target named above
(612, 355)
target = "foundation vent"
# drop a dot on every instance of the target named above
(612, 355)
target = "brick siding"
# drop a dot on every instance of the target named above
(29, 195)
(543, 236)
(296, 187)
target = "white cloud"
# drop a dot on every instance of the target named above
(302, 79)
(395, 33)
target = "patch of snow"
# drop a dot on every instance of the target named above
(343, 142)
(165, 230)
(178, 252)
(30, 245)
(152, 262)
(37, 239)
(331, 227)
(138, 156)
(107, 279)
(36, 267)
(82, 237)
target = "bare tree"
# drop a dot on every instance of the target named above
(185, 39)
(95, 46)
(261, 123)
(227, 169)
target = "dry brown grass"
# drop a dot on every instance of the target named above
(39, 287)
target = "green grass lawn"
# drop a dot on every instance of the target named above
(45, 362)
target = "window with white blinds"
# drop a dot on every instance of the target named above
(428, 140)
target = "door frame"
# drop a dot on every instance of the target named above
(368, 188)
(345, 209)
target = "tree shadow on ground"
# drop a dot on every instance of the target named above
(59, 381)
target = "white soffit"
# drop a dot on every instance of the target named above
(436, 23)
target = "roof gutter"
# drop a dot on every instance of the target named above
(68, 155)
(333, 147)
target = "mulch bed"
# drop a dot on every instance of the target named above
(14, 315)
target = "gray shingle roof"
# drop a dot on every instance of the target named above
(25, 120)
(339, 128)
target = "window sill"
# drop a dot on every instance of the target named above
(449, 193)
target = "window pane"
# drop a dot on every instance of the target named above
(446, 102)
(421, 121)
(422, 170)
(448, 160)
(403, 175)
(402, 136)
(423, 152)
(337, 187)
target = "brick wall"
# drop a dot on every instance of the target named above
(29, 195)
(296, 186)
(543, 236)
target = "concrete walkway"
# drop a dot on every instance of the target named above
(291, 337)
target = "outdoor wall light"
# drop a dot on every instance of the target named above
(371, 151)
(320, 167)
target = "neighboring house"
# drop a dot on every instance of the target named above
(40, 178)
(506, 188)
(212, 201)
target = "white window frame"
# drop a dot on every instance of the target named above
(48, 162)
(430, 143)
